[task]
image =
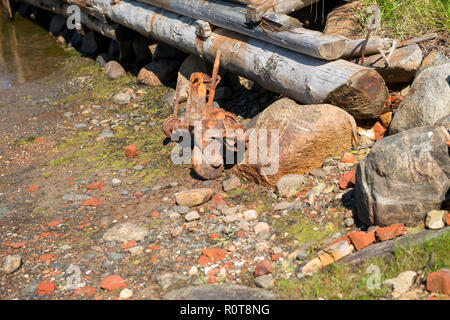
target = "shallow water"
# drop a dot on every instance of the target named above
(27, 52)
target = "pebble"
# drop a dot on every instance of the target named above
(349, 222)
(231, 183)
(401, 283)
(125, 192)
(137, 250)
(126, 294)
(250, 215)
(301, 256)
(11, 264)
(181, 209)
(435, 219)
(192, 216)
(266, 281)
(116, 182)
(122, 99)
(260, 227)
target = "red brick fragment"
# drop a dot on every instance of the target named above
(45, 288)
(95, 185)
(215, 253)
(348, 179)
(113, 282)
(263, 267)
(93, 202)
(390, 232)
(131, 151)
(361, 239)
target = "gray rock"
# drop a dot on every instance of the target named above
(165, 281)
(402, 66)
(181, 209)
(318, 173)
(301, 256)
(114, 70)
(288, 185)
(11, 264)
(220, 292)
(434, 58)
(349, 222)
(80, 126)
(125, 232)
(192, 216)
(4, 210)
(427, 101)
(106, 134)
(29, 290)
(76, 197)
(115, 256)
(403, 177)
(102, 60)
(116, 182)
(266, 281)
(231, 183)
(122, 99)
(400, 284)
(125, 192)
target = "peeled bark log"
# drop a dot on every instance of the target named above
(256, 11)
(60, 8)
(234, 18)
(358, 90)
(353, 48)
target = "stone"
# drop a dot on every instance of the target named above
(194, 197)
(427, 101)
(76, 197)
(401, 284)
(192, 216)
(131, 151)
(435, 219)
(261, 227)
(325, 258)
(318, 173)
(349, 222)
(102, 60)
(339, 249)
(214, 253)
(225, 291)
(158, 72)
(361, 239)
(434, 58)
(113, 282)
(125, 232)
(379, 131)
(114, 70)
(386, 119)
(263, 267)
(282, 206)
(391, 232)
(126, 294)
(95, 185)
(91, 202)
(231, 183)
(166, 280)
(323, 132)
(266, 281)
(122, 99)
(403, 177)
(250, 215)
(116, 182)
(439, 281)
(57, 24)
(164, 51)
(347, 180)
(89, 43)
(44, 288)
(136, 251)
(288, 185)
(402, 67)
(11, 264)
(312, 266)
(141, 49)
(181, 209)
(261, 246)
(190, 65)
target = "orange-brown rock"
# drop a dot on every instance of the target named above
(308, 134)
(158, 72)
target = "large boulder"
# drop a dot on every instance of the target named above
(403, 177)
(57, 24)
(427, 101)
(308, 134)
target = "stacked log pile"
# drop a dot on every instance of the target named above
(258, 40)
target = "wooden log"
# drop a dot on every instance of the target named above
(220, 13)
(256, 11)
(353, 48)
(7, 11)
(90, 22)
(89, 9)
(298, 76)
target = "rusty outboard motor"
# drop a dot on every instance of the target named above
(199, 110)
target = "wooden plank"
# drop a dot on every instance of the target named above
(256, 11)
(298, 76)
(221, 14)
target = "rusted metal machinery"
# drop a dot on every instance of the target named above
(226, 129)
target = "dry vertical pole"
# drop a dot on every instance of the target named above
(7, 10)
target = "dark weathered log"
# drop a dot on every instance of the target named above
(92, 10)
(300, 77)
(7, 11)
(220, 13)
(256, 11)
(90, 22)
(388, 247)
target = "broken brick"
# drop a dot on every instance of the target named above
(361, 239)
(390, 232)
(348, 179)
